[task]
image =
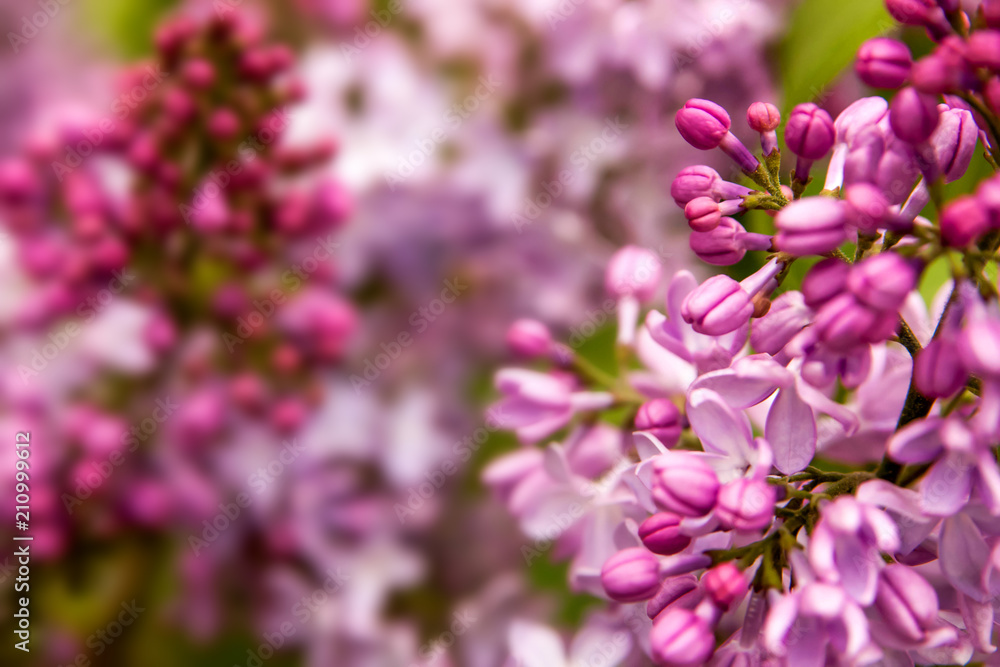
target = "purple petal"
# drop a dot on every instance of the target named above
(946, 486)
(964, 554)
(791, 431)
(917, 442)
(721, 429)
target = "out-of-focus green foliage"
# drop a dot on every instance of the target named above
(126, 26)
(821, 40)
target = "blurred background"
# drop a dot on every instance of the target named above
(259, 260)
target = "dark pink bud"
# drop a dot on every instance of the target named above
(913, 115)
(811, 226)
(701, 181)
(529, 339)
(661, 534)
(160, 333)
(883, 63)
(680, 638)
(703, 214)
(935, 75)
(963, 220)
(223, 124)
(984, 49)
(661, 419)
(746, 504)
(332, 205)
(631, 575)
(763, 117)
(288, 415)
(844, 322)
(809, 133)
(725, 584)
(883, 281)
(18, 182)
(255, 64)
(925, 13)
(702, 123)
(248, 391)
(684, 484)
(198, 74)
(937, 369)
(179, 105)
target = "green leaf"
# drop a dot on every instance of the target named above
(822, 39)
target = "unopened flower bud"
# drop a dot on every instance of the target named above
(811, 226)
(661, 534)
(684, 484)
(913, 115)
(529, 339)
(746, 504)
(937, 369)
(661, 419)
(883, 63)
(702, 123)
(984, 49)
(679, 637)
(726, 243)
(633, 271)
(963, 220)
(883, 281)
(631, 575)
(906, 601)
(725, 584)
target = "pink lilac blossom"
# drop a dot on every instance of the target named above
(826, 489)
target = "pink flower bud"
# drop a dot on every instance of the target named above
(661, 419)
(529, 339)
(680, 638)
(631, 575)
(883, 281)
(984, 49)
(727, 243)
(746, 504)
(937, 369)
(825, 280)
(913, 115)
(963, 220)
(763, 117)
(661, 534)
(725, 584)
(809, 133)
(811, 226)
(632, 271)
(702, 123)
(684, 484)
(717, 306)
(223, 124)
(198, 73)
(883, 63)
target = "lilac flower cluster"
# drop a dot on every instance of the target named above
(178, 265)
(808, 474)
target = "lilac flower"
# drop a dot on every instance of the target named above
(845, 546)
(539, 404)
(814, 619)
(883, 63)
